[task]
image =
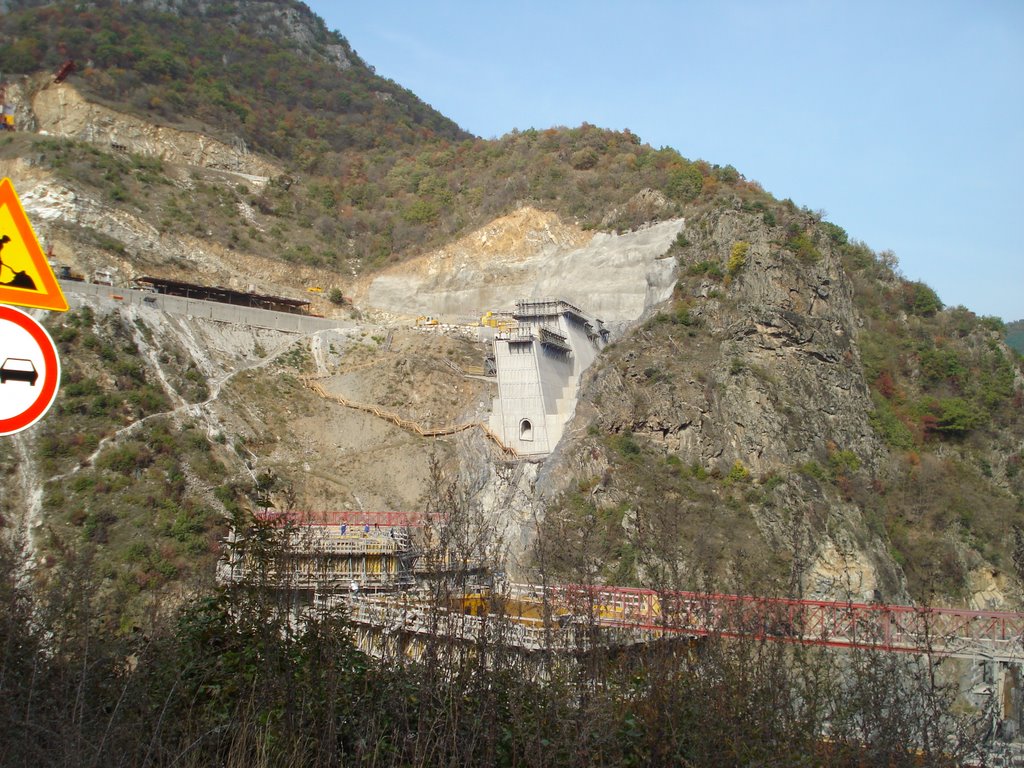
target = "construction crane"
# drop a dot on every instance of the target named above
(65, 69)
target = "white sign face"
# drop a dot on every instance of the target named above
(29, 371)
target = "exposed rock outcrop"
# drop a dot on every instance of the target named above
(645, 205)
(756, 373)
(298, 23)
(774, 375)
(61, 111)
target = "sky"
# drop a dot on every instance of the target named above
(902, 121)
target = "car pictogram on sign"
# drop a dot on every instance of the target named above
(29, 370)
(18, 369)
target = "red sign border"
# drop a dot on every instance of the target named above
(51, 380)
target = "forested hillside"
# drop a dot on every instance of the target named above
(269, 72)
(379, 173)
(1015, 335)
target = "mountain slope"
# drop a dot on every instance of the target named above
(269, 72)
(1015, 335)
(797, 418)
(381, 175)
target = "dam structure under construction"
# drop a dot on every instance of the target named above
(539, 362)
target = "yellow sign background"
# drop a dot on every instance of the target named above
(21, 255)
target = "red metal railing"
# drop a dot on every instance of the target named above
(389, 519)
(943, 631)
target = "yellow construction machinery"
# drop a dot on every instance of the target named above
(6, 110)
(503, 321)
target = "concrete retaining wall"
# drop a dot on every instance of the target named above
(75, 292)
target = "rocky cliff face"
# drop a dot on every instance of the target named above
(772, 377)
(729, 439)
(295, 22)
(59, 110)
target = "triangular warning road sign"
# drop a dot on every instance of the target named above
(26, 278)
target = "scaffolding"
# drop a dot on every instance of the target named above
(379, 563)
(324, 557)
(534, 309)
(554, 340)
(343, 553)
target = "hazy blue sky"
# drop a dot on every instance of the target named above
(903, 121)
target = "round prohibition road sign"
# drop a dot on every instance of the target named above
(29, 371)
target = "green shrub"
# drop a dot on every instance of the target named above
(421, 212)
(957, 416)
(842, 462)
(682, 315)
(737, 257)
(992, 323)
(893, 431)
(922, 300)
(803, 247)
(685, 183)
(626, 445)
(710, 268)
(940, 364)
(738, 473)
(835, 233)
(584, 159)
(815, 470)
(125, 458)
(1013, 465)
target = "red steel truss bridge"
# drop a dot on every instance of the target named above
(635, 614)
(381, 519)
(997, 635)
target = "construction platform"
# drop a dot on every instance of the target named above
(397, 572)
